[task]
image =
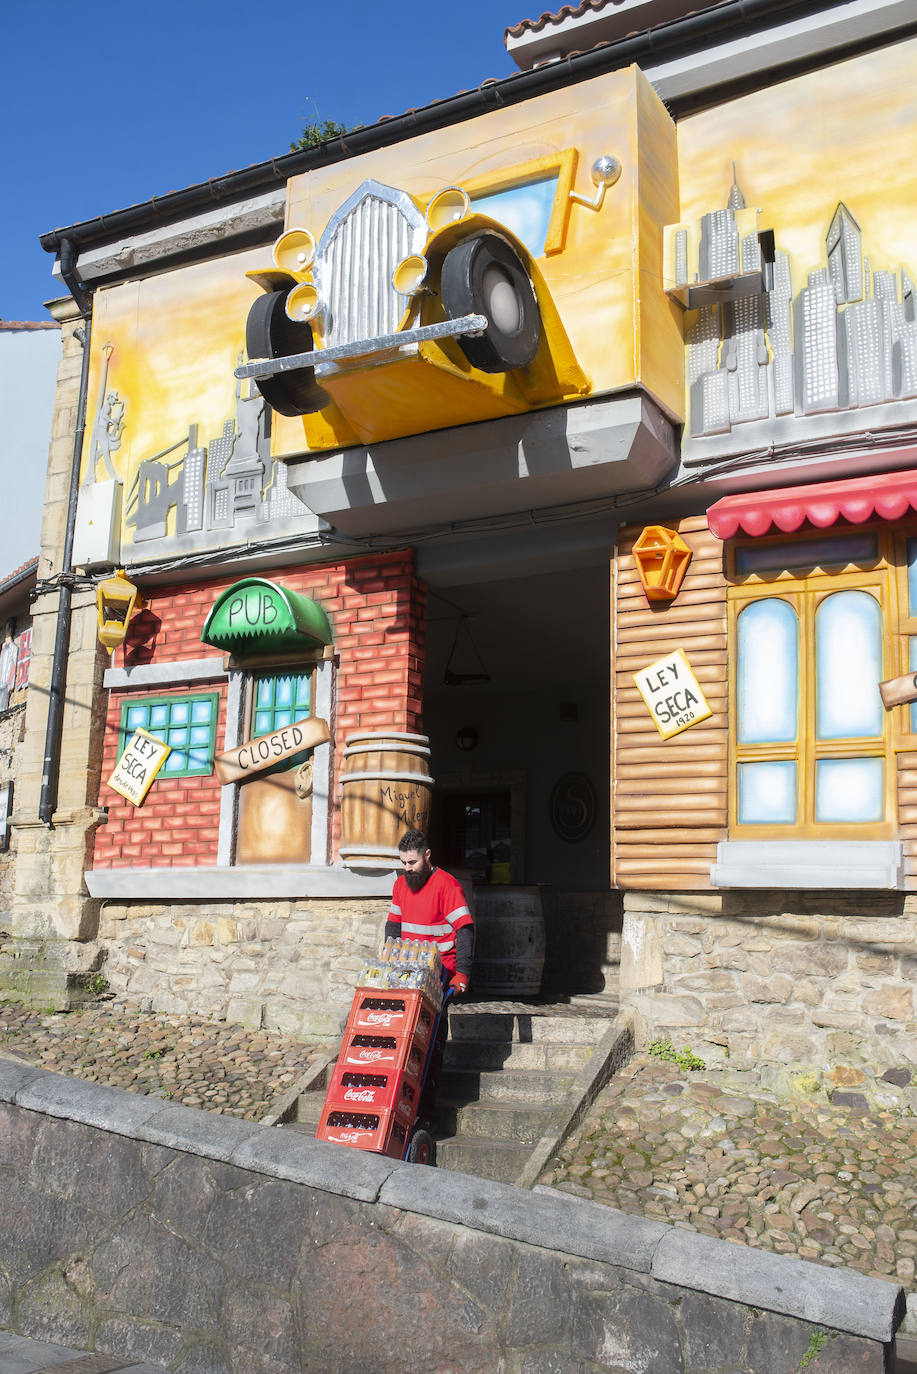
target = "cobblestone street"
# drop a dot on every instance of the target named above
(223, 1068)
(823, 1182)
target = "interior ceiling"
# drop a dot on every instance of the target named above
(528, 631)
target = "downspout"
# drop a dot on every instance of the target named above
(50, 771)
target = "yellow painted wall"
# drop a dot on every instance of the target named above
(175, 340)
(846, 133)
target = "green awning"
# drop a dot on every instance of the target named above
(257, 616)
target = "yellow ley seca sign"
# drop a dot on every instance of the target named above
(672, 694)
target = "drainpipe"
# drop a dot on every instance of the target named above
(50, 772)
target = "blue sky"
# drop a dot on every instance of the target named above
(104, 105)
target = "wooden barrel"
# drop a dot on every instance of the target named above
(386, 789)
(509, 941)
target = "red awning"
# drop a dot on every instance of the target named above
(887, 495)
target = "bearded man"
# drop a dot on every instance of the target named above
(429, 904)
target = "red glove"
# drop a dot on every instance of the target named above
(459, 984)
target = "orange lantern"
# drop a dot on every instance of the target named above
(662, 559)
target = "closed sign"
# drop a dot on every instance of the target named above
(672, 694)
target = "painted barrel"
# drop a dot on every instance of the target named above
(386, 789)
(509, 941)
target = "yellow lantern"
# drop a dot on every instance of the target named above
(662, 559)
(116, 601)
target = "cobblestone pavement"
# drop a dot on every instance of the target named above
(223, 1068)
(803, 1178)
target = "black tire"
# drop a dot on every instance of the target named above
(422, 1149)
(483, 275)
(270, 333)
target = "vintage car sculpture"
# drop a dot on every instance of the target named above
(399, 305)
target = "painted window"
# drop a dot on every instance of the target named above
(812, 745)
(186, 723)
(525, 210)
(279, 699)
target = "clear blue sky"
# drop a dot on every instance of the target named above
(104, 105)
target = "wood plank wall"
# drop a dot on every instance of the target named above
(669, 797)
(907, 816)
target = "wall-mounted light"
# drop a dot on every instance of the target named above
(466, 739)
(662, 559)
(116, 600)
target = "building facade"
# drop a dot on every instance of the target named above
(558, 492)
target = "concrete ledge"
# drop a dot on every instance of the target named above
(165, 674)
(852, 864)
(278, 881)
(840, 1299)
(553, 1221)
(868, 1308)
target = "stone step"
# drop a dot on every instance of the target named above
(493, 1121)
(500, 1160)
(475, 1023)
(458, 1087)
(513, 1054)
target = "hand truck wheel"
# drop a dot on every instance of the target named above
(422, 1149)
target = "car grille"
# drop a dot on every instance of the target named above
(356, 256)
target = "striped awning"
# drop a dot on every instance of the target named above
(886, 496)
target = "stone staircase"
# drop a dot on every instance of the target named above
(507, 1071)
(508, 1068)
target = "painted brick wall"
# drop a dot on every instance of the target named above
(377, 610)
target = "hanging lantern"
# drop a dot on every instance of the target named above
(662, 559)
(116, 601)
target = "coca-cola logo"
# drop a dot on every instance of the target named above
(365, 1095)
(345, 1138)
(382, 1018)
(367, 1057)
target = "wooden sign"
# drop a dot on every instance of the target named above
(672, 694)
(255, 755)
(137, 767)
(898, 691)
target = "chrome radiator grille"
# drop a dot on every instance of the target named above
(363, 243)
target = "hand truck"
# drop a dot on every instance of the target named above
(375, 1100)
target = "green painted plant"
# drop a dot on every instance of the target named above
(98, 984)
(817, 1341)
(685, 1058)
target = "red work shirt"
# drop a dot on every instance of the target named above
(436, 912)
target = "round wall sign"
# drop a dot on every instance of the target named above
(572, 807)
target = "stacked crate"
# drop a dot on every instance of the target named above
(375, 1088)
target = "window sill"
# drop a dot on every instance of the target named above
(271, 881)
(828, 864)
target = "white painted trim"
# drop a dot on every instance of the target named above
(321, 767)
(229, 795)
(174, 673)
(828, 864)
(275, 881)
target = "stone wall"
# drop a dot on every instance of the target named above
(288, 966)
(821, 983)
(205, 1243)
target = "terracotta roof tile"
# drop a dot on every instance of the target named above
(20, 325)
(565, 12)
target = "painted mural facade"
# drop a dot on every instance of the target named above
(554, 287)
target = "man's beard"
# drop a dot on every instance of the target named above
(415, 881)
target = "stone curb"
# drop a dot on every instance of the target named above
(282, 1109)
(613, 1050)
(853, 1303)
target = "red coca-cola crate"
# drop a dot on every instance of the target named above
(358, 1090)
(378, 1011)
(374, 1053)
(379, 1131)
